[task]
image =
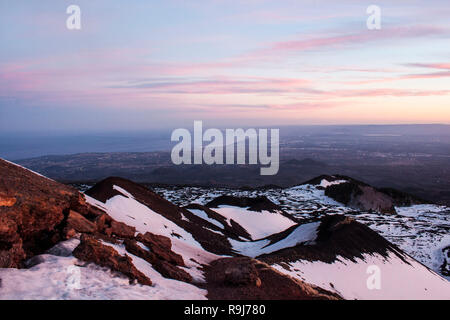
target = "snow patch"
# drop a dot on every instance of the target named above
(133, 213)
(258, 224)
(303, 234)
(325, 183)
(66, 278)
(399, 280)
(202, 214)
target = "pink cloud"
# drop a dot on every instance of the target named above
(345, 40)
(223, 86)
(445, 66)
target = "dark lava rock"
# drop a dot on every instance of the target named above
(361, 197)
(232, 230)
(337, 236)
(254, 204)
(403, 199)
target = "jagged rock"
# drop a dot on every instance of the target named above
(108, 226)
(165, 268)
(92, 250)
(103, 222)
(134, 248)
(168, 270)
(36, 213)
(243, 273)
(78, 223)
(122, 230)
(32, 210)
(162, 247)
(88, 211)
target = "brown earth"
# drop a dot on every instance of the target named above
(243, 278)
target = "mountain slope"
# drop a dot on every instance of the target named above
(123, 239)
(421, 230)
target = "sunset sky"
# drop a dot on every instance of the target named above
(138, 65)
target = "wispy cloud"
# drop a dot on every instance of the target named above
(441, 70)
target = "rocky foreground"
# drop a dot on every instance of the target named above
(120, 240)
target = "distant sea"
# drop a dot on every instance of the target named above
(29, 145)
(18, 146)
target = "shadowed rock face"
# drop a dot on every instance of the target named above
(337, 236)
(403, 199)
(361, 197)
(243, 278)
(253, 204)
(257, 204)
(232, 230)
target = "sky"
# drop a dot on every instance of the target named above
(140, 65)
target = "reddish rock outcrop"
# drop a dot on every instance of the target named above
(165, 268)
(92, 250)
(103, 222)
(161, 247)
(77, 223)
(108, 226)
(242, 274)
(36, 213)
(33, 212)
(122, 230)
